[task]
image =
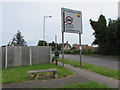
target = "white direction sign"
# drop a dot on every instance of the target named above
(71, 20)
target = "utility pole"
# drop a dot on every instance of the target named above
(80, 50)
(55, 42)
(44, 29)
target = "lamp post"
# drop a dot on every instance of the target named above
(44, 28)
(47, 40)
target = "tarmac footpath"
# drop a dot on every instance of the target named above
(81, 76)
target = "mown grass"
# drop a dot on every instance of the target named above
(100, 70)
(18, 74)
(0, 76)
(90, 84)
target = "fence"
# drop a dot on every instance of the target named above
(24, 55)
(0, 57)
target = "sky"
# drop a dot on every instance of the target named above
(27, 17)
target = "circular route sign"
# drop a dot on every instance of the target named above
(69, 20)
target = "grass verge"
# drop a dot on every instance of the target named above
(18, 74)
(0, 76)
(100, 70)
(90, 84)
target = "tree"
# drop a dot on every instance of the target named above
(58, 47)
(18, 40)
(107, 37)
(52, 45)
(113, 36)
(117, 45)
(99, 28)
(40, 43)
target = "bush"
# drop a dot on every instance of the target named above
(72, 52)
(84, 51)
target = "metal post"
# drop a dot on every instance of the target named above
(62, 49)
(63, 29)
(30, 55)
(47, 40)
(56, 42)
(80, 50)
(44, 31)
(6, 58)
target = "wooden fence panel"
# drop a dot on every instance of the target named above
(24, 55)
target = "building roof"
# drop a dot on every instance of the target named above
(84, 46)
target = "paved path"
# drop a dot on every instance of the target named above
(104, 61)
(81, 76)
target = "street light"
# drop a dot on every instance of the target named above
(44, 28)
(47, 40)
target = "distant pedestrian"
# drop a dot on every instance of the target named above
(56, 56)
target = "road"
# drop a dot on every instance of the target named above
(104, 61)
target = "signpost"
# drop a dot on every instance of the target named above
(71, 21)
